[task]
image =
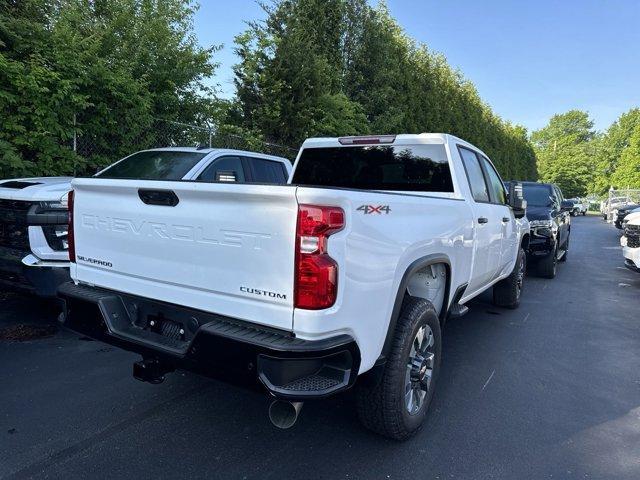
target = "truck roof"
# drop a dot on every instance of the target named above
(437, 138)
(399, 139)
(208, 151)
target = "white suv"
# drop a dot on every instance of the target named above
(631, 242)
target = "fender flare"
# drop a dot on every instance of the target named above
(402, 288)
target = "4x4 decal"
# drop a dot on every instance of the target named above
(374, 209)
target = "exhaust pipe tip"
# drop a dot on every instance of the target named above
(284, 414)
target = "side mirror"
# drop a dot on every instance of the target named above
(516, 200)
(566, 206)
(226, 176)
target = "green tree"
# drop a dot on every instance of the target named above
(112, 65)
(610, 147)
(565, 152)
(341, 67)
(627, 173)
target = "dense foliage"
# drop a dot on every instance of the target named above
(115, 64)
(312, 68)
(618, 158)
(581, 161)
(341, 67)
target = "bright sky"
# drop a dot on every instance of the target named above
(529, 59)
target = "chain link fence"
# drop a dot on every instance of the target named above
(619, 198)
(95, 151)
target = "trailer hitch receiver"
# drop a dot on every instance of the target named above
(150, 370)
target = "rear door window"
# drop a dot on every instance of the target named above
(475, 176)
(224, 169)
(422, 168)
(266, 171)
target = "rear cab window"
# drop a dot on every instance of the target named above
(153, 165)
(416, 168)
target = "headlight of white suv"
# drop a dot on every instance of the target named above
(56, 234)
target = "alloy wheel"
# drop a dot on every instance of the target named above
(419, 369)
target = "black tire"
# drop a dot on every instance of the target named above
(381, 405)
(584, 213)
(548, 266)
(507, 292)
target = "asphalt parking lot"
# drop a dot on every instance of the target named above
(551, 390)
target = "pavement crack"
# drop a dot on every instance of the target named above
(488, 380)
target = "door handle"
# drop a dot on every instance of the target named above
(166, 198)
(483, 220)
(505, 219)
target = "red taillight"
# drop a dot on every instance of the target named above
(316, 277)
(70, 238)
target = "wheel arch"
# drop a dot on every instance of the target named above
(411, 270)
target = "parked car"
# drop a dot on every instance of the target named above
(33, 234)
(631, 243)
(580, 207)
(623, 212)
(549, 217)
(610, 206)
(631, 216)
(348, 272)
(33, 211)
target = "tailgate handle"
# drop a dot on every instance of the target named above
(165, 198)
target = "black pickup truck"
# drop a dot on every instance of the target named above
(623, 212)
(549, 215)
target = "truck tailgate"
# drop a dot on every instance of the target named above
(223, 248)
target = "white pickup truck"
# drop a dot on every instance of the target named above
(33, 211)
(348, 272)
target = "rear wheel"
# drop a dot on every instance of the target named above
(506, 293)
(396, 405)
